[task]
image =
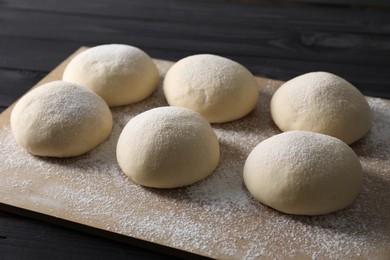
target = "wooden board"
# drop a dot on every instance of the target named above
(215, 217)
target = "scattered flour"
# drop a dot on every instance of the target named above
(215, 217)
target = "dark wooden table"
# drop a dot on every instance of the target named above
(275, 39)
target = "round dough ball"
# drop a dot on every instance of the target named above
(303, 173)
(321, 102)
(168, 147)
(60, 119)
(220, 89)
(120, 74)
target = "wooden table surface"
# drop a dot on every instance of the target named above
(274, 39)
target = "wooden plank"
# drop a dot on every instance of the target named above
(14, 83)
(275, 42)
(226, 10)
(377, 3)
(41, 55)
(276, 38)
(46, 241)
(32, 54)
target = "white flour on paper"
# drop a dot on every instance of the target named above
(215, 217)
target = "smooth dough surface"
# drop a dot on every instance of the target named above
(220, 89)
(303, 173)
(120, 74)
(168, 147)
(60, 119)
(322, 102)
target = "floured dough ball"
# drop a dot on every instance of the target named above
(120, 74)
(322, 102)
(220, 89)
(60, 119)
(167, 147)
(303, 173)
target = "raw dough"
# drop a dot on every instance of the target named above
(322, 102)
(60, 119)
(168, 147)
(303, 173)
(219, 89)
(120, 74)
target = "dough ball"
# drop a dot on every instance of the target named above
(60, 119)
(322, 102)
(120, 74)
(168, 147)
(220, 89)
(303, 173)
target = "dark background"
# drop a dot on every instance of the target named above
(275, 39)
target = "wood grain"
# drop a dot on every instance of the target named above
(9, 90)
(372, 81)
(25, 238)
(272, 40)
(271, 34)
